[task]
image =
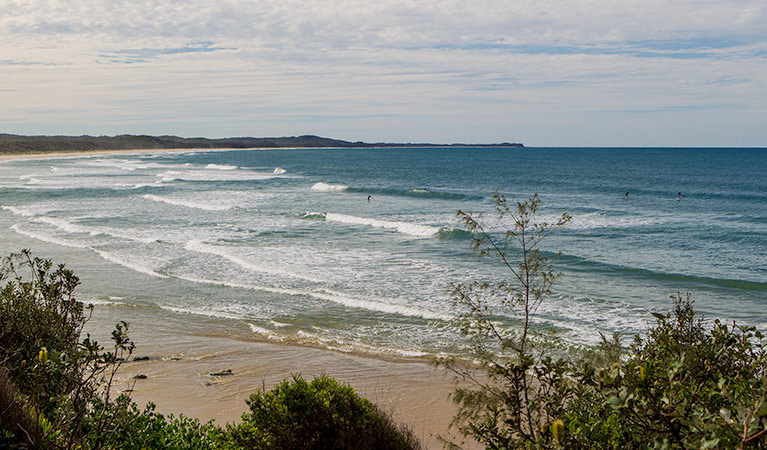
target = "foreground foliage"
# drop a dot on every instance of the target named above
(321, 414)
(56, 387)
(683, 385)
(49, 376)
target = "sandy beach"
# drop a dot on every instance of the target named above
(182, 357)
(76, 154)
(183, 353)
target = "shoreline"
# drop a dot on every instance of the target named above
(83, 153)
(179, 361)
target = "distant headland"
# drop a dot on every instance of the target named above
(11, 144)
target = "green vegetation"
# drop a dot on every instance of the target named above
(14, 144)
(318, 415)
(56, 387)
(684, 385)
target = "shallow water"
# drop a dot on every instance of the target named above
(283, 244)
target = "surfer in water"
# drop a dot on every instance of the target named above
(627, 196)
(678, 195)
(368, 198)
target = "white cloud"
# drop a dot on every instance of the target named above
(545, 72)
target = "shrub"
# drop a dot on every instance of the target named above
(322, 414)
(683, 385)
(55, 387)
(147, 429)
(522, 389)
(51, 376)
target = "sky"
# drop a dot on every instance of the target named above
(541, 72)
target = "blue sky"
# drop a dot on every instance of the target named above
(542, 72)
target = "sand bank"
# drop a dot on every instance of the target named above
(179, 381)
(76, 154)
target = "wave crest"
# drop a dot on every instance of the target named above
(188, 203)
(411, 229)
(324, 187)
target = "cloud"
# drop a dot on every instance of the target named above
(442, 70)
(10, 62)
(129, 56)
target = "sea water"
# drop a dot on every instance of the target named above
(284, 244)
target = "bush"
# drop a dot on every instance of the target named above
(682, 386)
(318, 415)
(55, 387)
(148, 429)
(49, 376)
(522, 389)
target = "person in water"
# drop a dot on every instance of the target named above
(368, 198)
(627, 195)
(678, 195)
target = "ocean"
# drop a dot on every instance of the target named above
(284, 245)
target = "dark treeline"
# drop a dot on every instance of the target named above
(16, 144)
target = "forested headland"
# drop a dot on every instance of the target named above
(11, 144)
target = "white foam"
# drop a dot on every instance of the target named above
(129, 237)
(224, 252)
(101, 302)
(221, 167)
(389, 308)
(64, 225)
(70, 227)
(600, 220)
(411, 229)
(122, 164)
(215, 175)
(594, 220)
(263, 331)
(129, 264)
(188, 203)
(72, 181)
(313, 215)
(46, 238)
(19, 211)
(279, 170)
(128, 186)
(324, 187)
(335, 297)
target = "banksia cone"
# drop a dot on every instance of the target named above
(43, 355)
(558, 430)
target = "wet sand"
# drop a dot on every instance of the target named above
(77, 154)
(179, 381)
(184, 351)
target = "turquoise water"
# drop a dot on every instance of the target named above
(283, 244)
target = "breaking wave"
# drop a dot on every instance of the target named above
(411, 229)
(201, 247)
(324, 187)
(188, 203)
(129, 264)
(46, 238)
(18, 211)
(334, 297)
(221, 167)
